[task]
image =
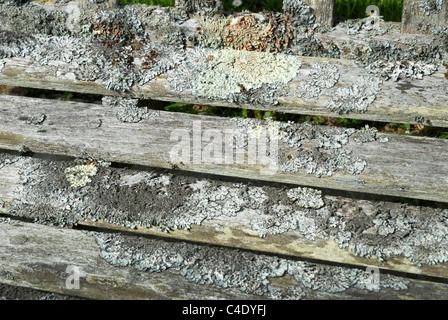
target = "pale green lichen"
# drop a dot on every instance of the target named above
(231, 73)
(212, 32)
(80, 175)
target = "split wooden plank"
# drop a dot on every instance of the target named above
(407, 101)
(405, 166)
(37, 256)
(419, 16)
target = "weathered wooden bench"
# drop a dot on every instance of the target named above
(122, 201)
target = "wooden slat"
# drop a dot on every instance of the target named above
(323, 10)
(419, 16)
(37, 256)
(401, 102)
(405, 166)
(406, 101)
(127, 200)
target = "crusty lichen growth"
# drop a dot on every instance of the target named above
(299, 11)
(323, 76)
(355, 98)
(391, 62)
(228, 268)
(80, 175)
(2, 64)
(273, 32)
(429, 7)
(201, 7)
(36, 119)
(306, 197)
(324, 155)
(211, 33)
(33, 19)
(135, 198)
(231, 74)
(127, 109)
(368, 134)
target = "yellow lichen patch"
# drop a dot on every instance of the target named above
(80, 175)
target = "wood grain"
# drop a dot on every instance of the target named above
(37, 256)
(415, 20)
(405, 166)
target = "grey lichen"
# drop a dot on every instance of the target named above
(167, 57)
(422, 120)
(129, 198)
(201, 7)
(36, 119)
(2, 64)
(430, 6)
(188, 72)
(213, 32)
(33, 19)
(388, 60)
(112, 47)
(127, 109)
(324, 154)
(355, 98)
(323, 76)
(227, 268)
(308, 45)
(306, 197)
(439, 30)
(300, 12)
(395, 70)
(308, 90)
(366, 134)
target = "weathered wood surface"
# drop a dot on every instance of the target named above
(406, 100)
(322, 9)
(419, 16)
(27, 190)
(401, 102)
(405, 166)
(37, 256)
